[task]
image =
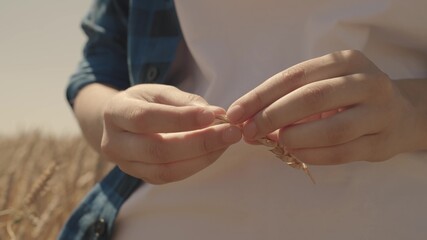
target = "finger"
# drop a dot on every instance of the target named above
(310, 99)
(364, 148)
(170, 172)
(167, 95)
(143, 117)
(325, 67)
(274, 136)
(167, 148)
(338, 129)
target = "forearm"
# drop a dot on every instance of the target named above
(88, 109)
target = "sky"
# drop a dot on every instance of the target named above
(40, 46)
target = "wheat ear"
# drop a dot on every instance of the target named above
(40, 184)
(278, 150)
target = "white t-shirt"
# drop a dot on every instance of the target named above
(235, 45)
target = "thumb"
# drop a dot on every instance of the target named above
(179, 98)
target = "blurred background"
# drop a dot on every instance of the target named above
(40, 46)
(46, 167)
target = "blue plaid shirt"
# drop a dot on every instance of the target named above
(129, 42)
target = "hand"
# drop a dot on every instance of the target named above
(161, 134)
(334, 109)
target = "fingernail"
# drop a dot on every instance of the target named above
(235, 113)
(250, 130)
(232, 134)
(205, 117)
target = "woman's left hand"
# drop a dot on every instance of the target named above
(334, 109)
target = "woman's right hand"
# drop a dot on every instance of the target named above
(161, 134)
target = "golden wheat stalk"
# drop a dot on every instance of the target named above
(5, 198)
(10, 232)
(45, 217)
(27, 196)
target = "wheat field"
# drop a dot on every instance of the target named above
(42, 179)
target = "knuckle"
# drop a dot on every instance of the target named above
(293, 77)
(206, 145)
(157, 96)
(352, 58)
(136, 114)
(353, 55)
(315, 96)
(258, 99)
(133, 114)
(268, 121)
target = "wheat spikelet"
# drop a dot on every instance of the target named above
(277, 149)
(34, 220)
(39, 184)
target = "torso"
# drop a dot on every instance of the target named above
(248, 194)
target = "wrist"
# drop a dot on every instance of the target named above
(415, 92)
(89, 110)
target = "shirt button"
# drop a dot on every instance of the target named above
(152, 73)
(100, 227)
